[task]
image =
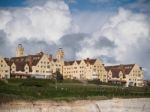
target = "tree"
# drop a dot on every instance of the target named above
(59, 76)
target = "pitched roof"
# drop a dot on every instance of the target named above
(78, 61)
(7, 61)
(30, 60)
(87, 61)
(54, 60)
(20, 66)
(90, 61)
(66, 63)
(125, 69)
(115, 72)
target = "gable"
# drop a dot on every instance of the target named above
(43, 59)
(2, 60)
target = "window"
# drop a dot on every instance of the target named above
(37, 70)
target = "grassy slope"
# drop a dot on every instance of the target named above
(33, 89)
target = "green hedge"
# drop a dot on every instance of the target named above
(3, 82)
(46, 89)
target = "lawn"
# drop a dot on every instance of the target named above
(37, 89)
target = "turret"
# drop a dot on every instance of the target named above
(60, 55)
(19, 50)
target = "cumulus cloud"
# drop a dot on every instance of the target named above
(4, 44)
(71, 44)
(129, 33)
(48, 22)
(95, 47)
(89, 21)
(125, 30)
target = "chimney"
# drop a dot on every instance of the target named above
(88, 59)
(30, 60)
(50, 57)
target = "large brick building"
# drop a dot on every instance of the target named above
(85, 69)
(41, 65)
(129, 74)
(4, 68)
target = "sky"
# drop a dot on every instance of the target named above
(115, 31)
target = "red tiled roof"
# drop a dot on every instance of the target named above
(87, 61)
(125, 69)
(78, 61)
(115, 72)
(54, 60)
(68, 63)
(7, 61)
(20, 62)
(90, 61)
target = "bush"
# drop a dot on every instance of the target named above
(71, 81)
(36, 83)
(94, 81)
(3, 82)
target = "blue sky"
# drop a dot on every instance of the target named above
(81, 5)
(99, 5)
(11, 3)
(88, 5)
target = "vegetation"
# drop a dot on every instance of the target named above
(35, 89)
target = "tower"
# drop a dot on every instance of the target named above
(19, 50)
(60, 55)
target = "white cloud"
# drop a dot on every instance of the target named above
(48, 22)
(124, 29)
(90, 21)
(129, 32)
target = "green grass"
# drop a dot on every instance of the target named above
(38, 89)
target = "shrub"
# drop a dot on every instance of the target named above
(71, 81)
(94, 81)
(3, 82)
(36, 83)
